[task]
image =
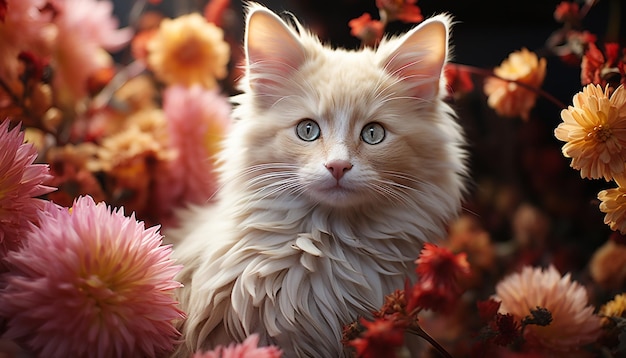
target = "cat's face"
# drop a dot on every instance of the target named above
(345, 128)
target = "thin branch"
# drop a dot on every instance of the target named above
(417, 330)
(487, 73)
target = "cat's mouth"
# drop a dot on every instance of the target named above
(336, 195)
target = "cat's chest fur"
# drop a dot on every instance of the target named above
(283, 270)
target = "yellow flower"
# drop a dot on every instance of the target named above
(509, 99)
(608, 265)
(594, 130)
(615, 307)
(613, 204)
(189, 50)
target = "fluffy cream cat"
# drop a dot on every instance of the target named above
(340, 164)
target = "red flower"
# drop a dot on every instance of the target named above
(3, 9)
(439, 270)
(369, 31)
(380, 338)
(214, 11)
(459, 80)
(603, 68)
(395, 303)
(402, 10)
(488, 309)
(506, 329)
(139, 43)
(567, 12)
(576, 43)
(432, 296)
(441, 265)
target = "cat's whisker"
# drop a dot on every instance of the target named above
(389, 99)
(282, 98)
(388, 192)
(409, 64)
(277, 194)
(268, 167)
(266, 178)
(285, 187)
(382, 97)
(305, 86)
(405, 176)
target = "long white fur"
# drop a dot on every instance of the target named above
(273, 256)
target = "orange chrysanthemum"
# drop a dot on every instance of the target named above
(594, 130)
(189, 50)
(614, 308)
(509, 99)
(608, 264)
(573, 322)
(613, 204)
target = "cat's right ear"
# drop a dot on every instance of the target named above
(273, 51)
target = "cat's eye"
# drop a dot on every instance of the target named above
(373, 133)
(308, 130)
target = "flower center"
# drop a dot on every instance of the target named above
(189, 53)
(599, 133)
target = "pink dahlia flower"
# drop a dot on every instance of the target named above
(23, 28)
(249, 348)
(21, 182)
(198, 120)
(86, 30)
(91, 282)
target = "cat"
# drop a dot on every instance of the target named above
(339, 165)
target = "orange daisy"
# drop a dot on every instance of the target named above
(509, 99)
(188, 50)
(607, 265)
(613, 204)
(594, 130)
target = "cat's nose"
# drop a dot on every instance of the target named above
(338, 167)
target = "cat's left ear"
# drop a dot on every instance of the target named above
(419, 56)
(273, 51)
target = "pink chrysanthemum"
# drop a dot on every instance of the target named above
(86, 28)
(198, 120)
(23, 28)
(573, 322)
(21, 182)
(249, 348)
(90, 282)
